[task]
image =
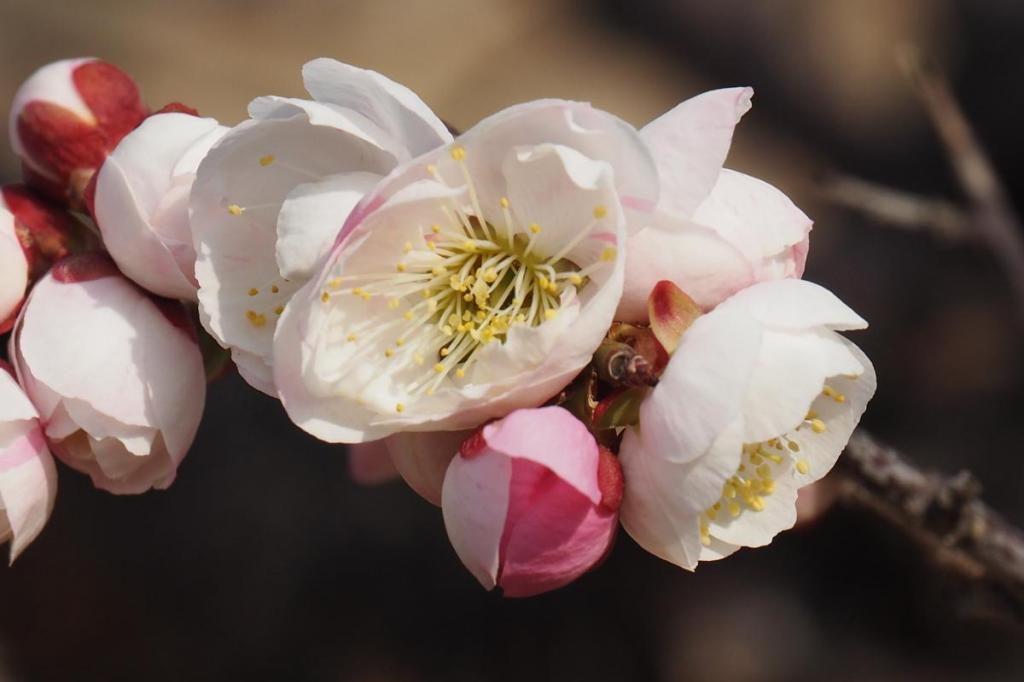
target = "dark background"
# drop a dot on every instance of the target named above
(264, 561)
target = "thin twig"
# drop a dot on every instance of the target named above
(899, 209)
(993, 215)
(942, 514)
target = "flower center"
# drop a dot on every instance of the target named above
(462, 285)
(761, 464)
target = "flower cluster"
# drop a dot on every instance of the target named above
(547, 325)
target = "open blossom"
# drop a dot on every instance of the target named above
(758, 400)
(715, 231)
(13, 271)
(28, 478)
(116, 374)
(141, 201)
(270, 198)
(66, 118)
(475, 280)
(530, 502)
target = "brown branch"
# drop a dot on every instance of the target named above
(993, 215)
(943, 515)
(899, 209)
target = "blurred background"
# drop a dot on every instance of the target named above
(264, 561)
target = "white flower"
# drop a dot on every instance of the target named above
(758, 400)
(141, 201)
(116, 375)
(715, 231)
(13, 270)
(475, 280)
(28, 479)
(270, 198)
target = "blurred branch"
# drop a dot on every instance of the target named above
(899, 209)
(992, 214)
(942, 514)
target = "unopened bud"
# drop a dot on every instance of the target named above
(66, 118)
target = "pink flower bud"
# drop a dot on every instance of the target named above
(530, 502)
(28, 479)
(66, 118)
(13, 271)
(141, 201)
(116, 374)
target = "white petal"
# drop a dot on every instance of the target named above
(700, 262)
(753, 216)
(663, 499)
(701, 390)
(690, 143)
(794, 304)
(422, 459)
(13, 267)
(251, 172)
(311, 218)
(821, 450)
(474, 501)
(393, 107)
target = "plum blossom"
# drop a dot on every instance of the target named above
(116, 374)
(530, 501)
(270, 198)
(66, 118)
(13, 270)
(475, 280)
(141, 201)
(28, 478)
(758, 400)
(715, 231)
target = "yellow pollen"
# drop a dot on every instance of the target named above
(438, 367)
(793, 445)
(734, 508)
(388, 352)
(431, 168)
(418, 359)
(436, 229)
(235, 209)
(834, 394)
(400, 267)
(575, 279)
(608, 254)
(818, 426)
(274, 289)
(407, 247)
(352, 338)
(802, 466)
(253, 292)
(458, 153)
(325, 297)
(357, 291)
(278, 310)
(469, 246)
(535, 228)
(393, 304)
(431, 245)
(445, 351)
(460, 372)
(407, 314)
(400, 407)
(504, 202)
(399, 342)
(600, 212)
(266, 160)
(550, 314)
(255, 318)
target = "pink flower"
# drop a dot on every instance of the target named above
(66, 118)
(28, 479)
(116, 374)
(530, 502)
(141, 201)
(714, 231)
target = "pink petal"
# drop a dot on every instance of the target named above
(553, 438)
(422, 459)
(553, 533)
(370, 464)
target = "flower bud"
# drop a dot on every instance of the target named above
(66, 118)
(28, 478)
(141, 201)
(116, 374)
(13, 271)
(530, 502)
